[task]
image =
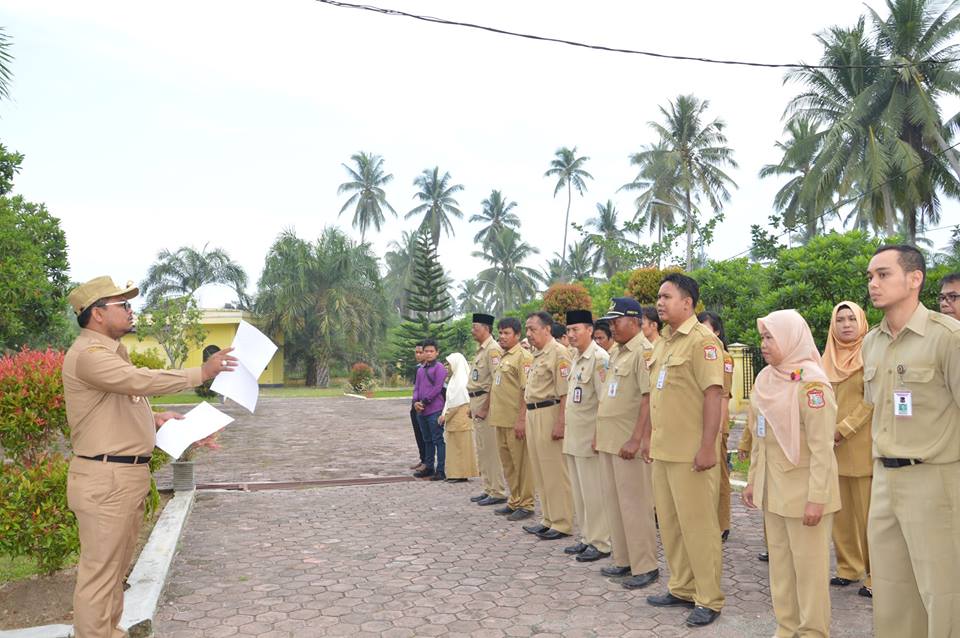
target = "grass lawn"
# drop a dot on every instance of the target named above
(21, 567)
(299, 392)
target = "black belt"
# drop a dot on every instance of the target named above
(542, 404)
(477, 393)
(133, 460)
(899, 462)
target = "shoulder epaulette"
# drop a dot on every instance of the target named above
(949, 323)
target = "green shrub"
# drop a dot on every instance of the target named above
(559, 298)
(33, 419)
(361, 377)
(149, 358)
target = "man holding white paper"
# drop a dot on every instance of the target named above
(112, 432)
(253, 351)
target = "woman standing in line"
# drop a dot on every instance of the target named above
(793, 474)
(713, 321)
(461, 462)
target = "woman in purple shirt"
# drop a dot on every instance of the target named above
(428, 402)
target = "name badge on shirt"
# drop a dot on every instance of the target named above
(476, 375)
(661, 378)
(577, 395)
(761, 426)
(497, 379)
(612, 389)
(903, 403)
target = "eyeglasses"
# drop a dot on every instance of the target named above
(123, 304)
(950, 297)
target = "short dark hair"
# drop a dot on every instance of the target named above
(430, 342)
(558, 330)
(509, 322)
(909, 258)
(716, 323)
(603, 327)
(418, 344)
(688, 285)
(951, 278)
(84, 317)
(543, 316)
(651, 315)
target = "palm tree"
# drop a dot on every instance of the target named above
(399, 260)
(580, 263)
(507, 282)
(471, 297)
(496, 214)
(438, 205)
(186, 270)
(695, 152)
(325, 299)
(607, 239)
(553, 272)
(367, 182)
(6, 62)
(569, 171)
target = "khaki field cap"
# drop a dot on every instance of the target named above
(84, 295)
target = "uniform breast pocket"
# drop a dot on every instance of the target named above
(924, 384)
(672, 372)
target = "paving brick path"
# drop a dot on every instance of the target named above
(407, 559)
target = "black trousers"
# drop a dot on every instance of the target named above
(418, 434)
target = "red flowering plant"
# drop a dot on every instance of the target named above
(33, 418)
(361, 377)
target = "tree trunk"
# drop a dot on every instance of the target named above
(310, 364)
(323, 375)
(689, 232)
(566, 225)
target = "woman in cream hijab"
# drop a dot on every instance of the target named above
(793, 472)
(843, 363)
(458, 427)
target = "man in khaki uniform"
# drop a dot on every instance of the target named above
(112, 433)
(949, 297)
(627, 480)
(508, 416)
(687, 375)
(583, 464)
(911, 373)
(478, 387)
(545, 395)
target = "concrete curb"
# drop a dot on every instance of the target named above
(146, 580)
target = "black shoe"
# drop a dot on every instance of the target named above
(669, 600)
(701, 616)
(724, 536)
(535, 529)
(478, 497)
(763, 557)
(591, 554)
(520, 514)
(579, 548)
(615, 571)
(506, 510)
(642, 580)
(424, 473)
(456, 480)
(439, 476)
(492, 500)
(551, 535)
(836, 581)
(866, 592)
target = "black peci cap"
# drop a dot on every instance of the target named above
(579, 316)
(479, 317)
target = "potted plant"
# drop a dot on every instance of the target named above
(361, 379)
(184, 478)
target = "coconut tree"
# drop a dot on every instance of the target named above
(438, 204)
(607, 238)
(6, 62)
(367, 179)
(580, 263)
(569, 171)
(507, 282)
(471, 297)
(184, 271)
(399, 260)
(496, 214)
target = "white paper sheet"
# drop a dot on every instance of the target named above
(176, 435)
(253, 351)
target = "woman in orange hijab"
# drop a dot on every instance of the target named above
(793, 472)
(843, 364)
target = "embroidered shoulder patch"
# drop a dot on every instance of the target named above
(710, 353)
(495, 360)
(728, 367)
(564, 369)
(815, 399)
(526, 368)
(602, 373)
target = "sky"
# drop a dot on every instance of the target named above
(150, 126)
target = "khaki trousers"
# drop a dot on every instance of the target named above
(516, 468)
(488, 456)
(628, 497)
(584, 473)
(914, 536)
(799, 575)
(108, 500)
(850, 528)
(687, 510)
(723, 509)
(549, 470)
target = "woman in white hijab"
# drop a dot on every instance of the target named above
(461, 459)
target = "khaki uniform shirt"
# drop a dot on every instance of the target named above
(549, 375)
(105, 397)
(684, 364)
(484, 363)
(854, 456)
(622, 387)
(583, 400)
(924, 361)
(727, 388)
(509, 381)
(778, 485)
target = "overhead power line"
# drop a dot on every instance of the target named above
(609, 49)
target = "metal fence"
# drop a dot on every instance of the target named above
(752, 364)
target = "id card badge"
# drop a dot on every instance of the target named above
(661, 378)
(902, 403)
(612, 389)
(497, 379)
(761, 426)
(577, 395)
